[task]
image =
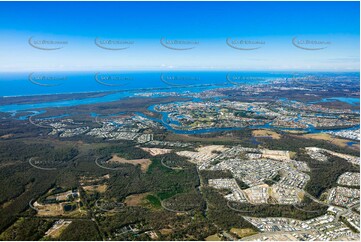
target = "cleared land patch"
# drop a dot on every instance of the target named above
(6, 136)
(56, 230)
(276, 154)
(260, 133)
(95, 188)
(135, 199)
(49, 209)
(203, 153)
(156, 151)
(144, 163)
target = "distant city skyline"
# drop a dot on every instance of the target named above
(134, 36)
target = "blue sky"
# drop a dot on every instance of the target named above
(333, 25)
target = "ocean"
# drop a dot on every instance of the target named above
(125, 84)
(39, 83)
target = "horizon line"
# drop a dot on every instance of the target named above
(175, 70)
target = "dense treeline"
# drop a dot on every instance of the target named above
(248, 114)
(181, 226)
(20, 182)
(185, 202)
(206, 175)
(16, 171)
(17, 129)
(220, 214)
(125, 150)
(27, 229)
(158, 179)
(34, 183)
(81, 230)
(222, 209)
(294, 143)
(207, 211)
(324, 175)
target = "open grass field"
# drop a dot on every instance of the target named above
(336, 141)
(213, 237)
(243, 232)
